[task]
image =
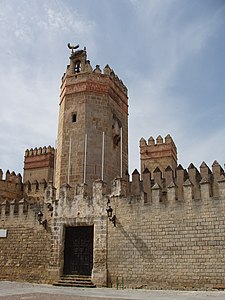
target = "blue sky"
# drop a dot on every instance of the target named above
(169, 53)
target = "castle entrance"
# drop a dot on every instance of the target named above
(78, 251)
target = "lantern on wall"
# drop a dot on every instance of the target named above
(110, 215)
(40, 219)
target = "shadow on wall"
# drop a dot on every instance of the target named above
(136, 241)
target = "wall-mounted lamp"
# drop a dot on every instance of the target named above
(110, 216)
(40, 219)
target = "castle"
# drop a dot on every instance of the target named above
(78, 218)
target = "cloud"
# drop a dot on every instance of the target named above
(33, 52)
(164, 51)
(155, 107)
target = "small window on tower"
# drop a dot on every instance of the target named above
(74, 118)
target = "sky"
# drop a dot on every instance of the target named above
(169, 53)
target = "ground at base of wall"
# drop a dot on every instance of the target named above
(16, 291)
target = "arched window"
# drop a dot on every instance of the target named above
(77, 66)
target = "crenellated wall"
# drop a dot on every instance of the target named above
(35, 189)
(177, 178)
(160, 153)
(172, 238)
(38, 171)
(26, 250)
(39, 164)
(11, 186)
(169, 230)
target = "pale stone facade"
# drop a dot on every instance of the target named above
(167, 224)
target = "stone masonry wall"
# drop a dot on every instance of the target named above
(174, 246)
(25, 252)
(169, 231)
(166, 242)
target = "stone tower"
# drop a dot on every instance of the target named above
(93, 124)
(160, 154)
(39, 164)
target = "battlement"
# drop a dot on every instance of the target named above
(39, 151)
(203, 183)
(80, 70)
(11, 177)
(180, 188)
(10, 186)
(159, 141)
(39, 164)
(23, 212)
(94, 81)
(80, 64)
(109, 72)
(160, 153)
(35, 189)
